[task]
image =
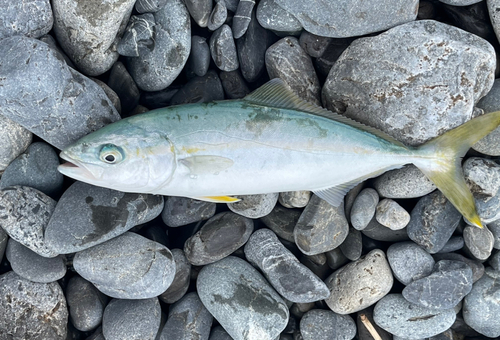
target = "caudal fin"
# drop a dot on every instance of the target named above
(440, 160)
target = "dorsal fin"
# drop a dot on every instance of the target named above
(275, 93)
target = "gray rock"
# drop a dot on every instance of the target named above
(15, 140)
(36, 86)
(113, 97)
(391, 215)
(494, 261)
(352, 245)
(433, 221)
(122, 83)
(242, 18)
(187, 319)
(320, 324)
(36, 168)
(200, 90)
(149, 6)
(131, 319)
(490, 145)
(294, 281)
(460, 2)
(454, 243)
(359, 284)
(351, 196)
(96, 215)
(24, 215)
(200, 11)
(49, 40)
(363, 320)
(30, 310)
(218, 238)
(494, 227)
(377, 231)
(302, 78)
(282, 221)
(241, 300)
(407, 182)
(273, 17)
(444, 288)
(218, 16)
(402, 318)
(139, 36)
(481, 307)
(4, 239)
(156, 68)
(218, 333)
(234, 85)
(85, 303)
(363, 208)
(421, 54)
(294, 199)
(31, 18)
(127, 267)
(223, 49)
(321, 227)
(314, 45)
(493, 8)
(479, 241)
(476, 266)
(254, 206)
(31, 266)
(182, 276)
(88, 34)
(318, 263)
(409, 262)
(199, 58)
(179, 211)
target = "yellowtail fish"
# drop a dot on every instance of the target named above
(270, 141)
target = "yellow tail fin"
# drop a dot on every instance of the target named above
(440, 160)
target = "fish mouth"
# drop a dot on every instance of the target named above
(74, 168)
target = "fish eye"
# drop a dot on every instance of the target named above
(111, 154)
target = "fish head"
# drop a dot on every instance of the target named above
(121, 157)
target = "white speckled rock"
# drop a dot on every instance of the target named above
(391, 215)
(490, 145)
(15, 139)
(407, 182)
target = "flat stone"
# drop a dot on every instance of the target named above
(218, 16)
(391, 215)
(96, 215)
(149, 6)
(138, 36)
(318, 324)
(180, 284)
(476, 266)
(242, 18)
(234, 85)
(294, 199)
(199, 58)
(223, 49)
(409, 262)
(359, 284)
(321, 227)
(282, 221)
(200, 90)
(218, 238)
(15, 140)
(254, 206)
(407, 182)
(352, 246)
(379, 232)
(179, 211)
(31, 18)
(241, 300)
(363, 208)
(127, 267)
(85, 303)
(131, 319)
(421, 54)
(294, 281)
(490, 145)
(30, 310)
(273, 17)
(121, 82)
(36, 86)
(24, 215)
(479, 241)
(200, 11)
(402, 318)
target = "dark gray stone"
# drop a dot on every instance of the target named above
(218, 238)
(479, 241)
(407, 182)
(460, 2)
(241, 300)
(363, 320)
(156, 68)
(402, 318)
(282, 221)
(179, 211)
(273, 17)
(200, 11)
(234, 85)
(96, 215)
(409, 262)
(494, 227)
(199, 58)
(336, 258)
(4, 239)
(314, 45)
(138, 36)
(122, 83)
(31, 18)
(318, 324)
(200, 90)
(127, 267)
(364, 207)
(85, 303)
(476, 266)
(351, 196)
(131, 319)
(294, 281)
(391, 215)
(36, 168)
(218, 16)
(454, 243)
(490, 145)
(187, 319)
(223, 49)
(218, 333)
(254, 206)
(294, 199)
(24, 215)
(379, 232)
(113, 97)
(15, 140)
(36, 86)
(182, 276)
(352, 245)
(149, 6)
(30, 310)
(321, 227)
(31, 266)
(318, 264)
(359, 284)
(242, 18)
(494, 261)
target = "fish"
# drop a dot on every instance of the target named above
(270, 141)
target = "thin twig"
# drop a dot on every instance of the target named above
(369, 327)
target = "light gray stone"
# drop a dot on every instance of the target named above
(138, 36)
(31, 18)
(391, 215)
(479, 241)
(15, 140)
(182, 277)
(85, 303)
(409, 262)
(364, 207)
(273, 17)
(218, 16)
(223, 49)
(320, 324)
(200, 11)
(460, 2)
(149, 6)
(254, 206)
(490, 145)
(476, 266)
(294, 199)
(407, 182)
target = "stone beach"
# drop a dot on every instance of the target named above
(82, 262)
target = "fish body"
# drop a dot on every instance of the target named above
(270, 141)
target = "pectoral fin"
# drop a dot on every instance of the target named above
(218, 199)
(202, 165)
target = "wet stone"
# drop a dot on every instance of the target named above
(273, 17)
(121, 82)
(36, 168)
(131, 319)
(149, 6)
(218, 238)
(359, 284)
(199, 58)
(96, 215)
(218, 16)
(320, 324)
(223, 49)
(479, 241)
(25, 307)
(200, 11)
(15, 140)
(379, 232)
(407, 182)
(490, 145)
(391, 215)
(321, 227)
(294, 281)
(31, 18)
(402, 318)
(294, 199)
(200, 90)
(476, 266)
(241, 300)
(409, 262)
(242, 17)
(282, 221)
(187, 319)
(314, 45)
(31, 266)
(444, 288)
(352, 245)
(85, 303)
(24, 215)
(182, 277)
(127, 267)
(179, 211)
(254, 206)
(138, 36)
(454, 243)
(234, 85)
(363, 208)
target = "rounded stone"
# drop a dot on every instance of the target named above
(218, 16)
(454, 243)
(352, 247)
(223, 49)
(200, 90)
(490, 145)
(180, 284)
(179, 211)
(254, 206)
(319, 324)
(15, 140)
(476, 266)
(479, 241)
(407, 182)
(199, 58)
(294, 199)
(391, 215)
(200, 11)
(242, 17)
(31, 18)
(85, 303)
(138, 36)
(379, 232)
(363, 208)
(149, 6)
(122, 83)
(409, 262)
(282, 221)
(234, 85)
(273, 17)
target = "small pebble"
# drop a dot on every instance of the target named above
(149, 6)
(273, 17)
(179, 211)
(199, 58)
(391, 215)
(494, 227)
(218, 16)
(407, 182)
(490, 145)
(320, 324)
(218, 333)
(242, 17)
(200, 90)
(223, 49)
(282, 221)
(182, 277)
(454, 243)
(254, 206)
(32, 18)
(476, 266)
(15, 140)
(200, 11)
(4, 239)
(314, 45)
(85, 303)
(479, 241)
(352, 246)
(138, 36)
(234, 85)
(379, 232)
(294, 199)
(124, 85)
(336, 258)
(363, 208)
(409, 262)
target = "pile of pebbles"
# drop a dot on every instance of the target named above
(395, 260)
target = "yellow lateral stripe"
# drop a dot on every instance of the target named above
(222, 199)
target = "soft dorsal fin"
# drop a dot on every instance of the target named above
(275, 93)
